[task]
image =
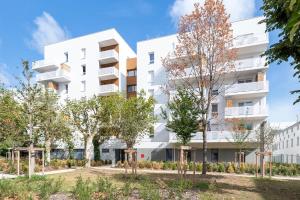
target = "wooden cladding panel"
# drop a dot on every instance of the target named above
(131, 63)
(131, 80)
(131, 94)
(115, 47)
(260, 76)
(229, 103)
(115, 64)
(111, 81)
(53, 85)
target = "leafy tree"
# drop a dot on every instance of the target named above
(52, 124)
(284, 15)
(184, 114)
(85, 117)
(12, 127)
(202, 56)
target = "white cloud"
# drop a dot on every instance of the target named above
(47, 31)
(238, 9)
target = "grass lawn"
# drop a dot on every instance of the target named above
(116, 185)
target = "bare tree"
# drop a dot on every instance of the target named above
(202, 57)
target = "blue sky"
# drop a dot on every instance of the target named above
(27, 25)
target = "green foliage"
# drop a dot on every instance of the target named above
(83, 189)
(149, 190)
(184, 113)
(50, 186)
(284, 15)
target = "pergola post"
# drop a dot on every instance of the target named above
(43, 162)
(18, 162)
(29, 163)
(256, 154)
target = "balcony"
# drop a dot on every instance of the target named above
(253, 89)
(246, 112)
(212, 137)
(108, 73)
(108, 89)
(44, 65)
(108, 56)
(252, 42)
(250, 63)
(60, 75)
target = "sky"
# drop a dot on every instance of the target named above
(26, 26)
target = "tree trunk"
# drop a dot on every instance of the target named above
(240, 154)
(48, 151)
(204, 163)
(262, 148)
(88, 150)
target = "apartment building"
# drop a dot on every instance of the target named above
(103, 63)
(94, 64)
(244, 99)
(286, 145)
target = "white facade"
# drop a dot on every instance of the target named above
(286, 145)
(247, 95)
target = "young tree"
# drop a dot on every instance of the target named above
(52, 125)
(264, 136)
(202, 56)
(284, 16)
(12, 127)
(85, 116)
(184, 113)
(240, 135)
(28, 94)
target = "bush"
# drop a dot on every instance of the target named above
(141, 164)
(230, 168)
(221, 167)
(83, 189)
(49, 187)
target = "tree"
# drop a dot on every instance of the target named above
(240, 135)
(12, 127)
(283, 15)
(28, 94)
(52, 124)
(264, 136)
(202, 56)
(85, 117)
(184, 113)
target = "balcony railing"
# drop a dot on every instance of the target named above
(108, 73)
(250, 39)
(246, 87)
(108, 56)
(249, 63)
(108, 89)
(43, 65)
(213, 136)
(246, 111)
(60, 75)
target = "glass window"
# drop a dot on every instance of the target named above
(298, 141)
(169, 154)
(131, 88)
(67, 88)
(105, 150)
(83, 69)
(214, 108)
(151, 57)
(287, 144)
(215, 92)
(66, 57)
(131, 73)
(292, 141)
(83, 53)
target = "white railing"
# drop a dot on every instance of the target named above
(108, 71)
(247, 87)
(107, 88)
(212, 136)
(109, 54)
(249, 63)
(251, 38)
(42, 63)
(246, 111)
(52, 75)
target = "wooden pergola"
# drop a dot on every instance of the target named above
(133, 154)
(259, 154)
(30, 151)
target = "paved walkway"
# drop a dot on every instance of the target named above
(191, 172)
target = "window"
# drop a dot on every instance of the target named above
(105, 150)
(214, 108)
(215, 92)
(82, 87)
(151, 57)
(131, 73)
(249, 126)
(151, 132)
(83, 67)
(131, 88)
(292, 142)
(66, 57)
(287, 144)
(169, 154)
(245, 81)
(150, 76)
(67, 88)
(298, 141)
(83, 52)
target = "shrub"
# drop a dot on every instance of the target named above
(141, 164)
(148, 164)
(83, 189)
(230, 168)
(50, 186)
(221, 167)
(209, 167)
(199, 167)
(173, 165)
